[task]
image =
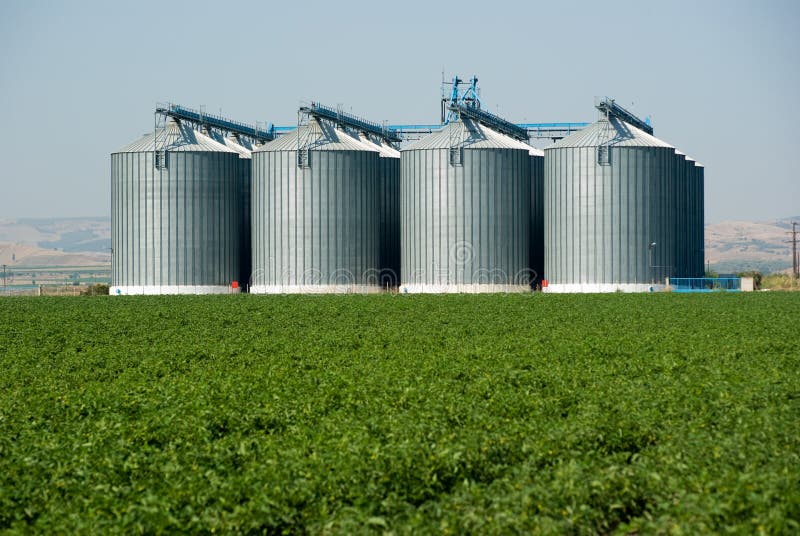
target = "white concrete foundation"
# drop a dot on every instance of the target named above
(588, 288)
(462, 289)
(153, 290)
(315, 289)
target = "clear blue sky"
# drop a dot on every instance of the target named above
(720, 79)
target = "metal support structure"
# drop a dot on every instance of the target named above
(458, 97)
(794, 250)
(490, 120)
(201, 119)
(611, 108)
(705, 284)
(552, 131)
(604, 148)
(451, 95)
(159, 136)
(535, 131)
(463, 99)
(303, 156)
(467, 103)
(795, 260)
(348, 120)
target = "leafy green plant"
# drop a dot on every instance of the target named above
(621, 413)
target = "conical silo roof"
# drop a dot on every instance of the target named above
(241, 142)
(316, 136)
(231, 142)
(533, 151)
(234, 143)
(468, 134)
(688, 158)
(613, 132)
(175, 137)
(384, 149)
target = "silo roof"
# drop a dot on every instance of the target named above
(384, 150)
(468, 133)
(316, 136)
(689, 159)
(533, 151)
(232, 143)
(176, 137)
(613, 132)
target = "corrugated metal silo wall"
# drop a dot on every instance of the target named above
(390, 221)
(600, 219)
(315, 226)
(683, 240)
(694, 249)
(691, 221)
(467, 224)
(699, 238)
(245, 247)
(177, 226)
(537, 219)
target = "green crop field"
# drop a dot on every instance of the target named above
(462, 414)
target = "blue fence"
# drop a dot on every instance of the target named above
(705, 284)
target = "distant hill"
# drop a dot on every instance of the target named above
(55, 242)
(731, 246)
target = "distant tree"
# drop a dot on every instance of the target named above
(98, 289)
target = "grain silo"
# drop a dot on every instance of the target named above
(465, 211)
(315, 213)
(683, 243)
(389, 209)
(609, 210)
(174, 217)
(244, 149)
(695, 233)
(537, 217)
(698, 259)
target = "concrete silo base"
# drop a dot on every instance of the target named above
(589, 288)
(315, 289)
(463, 289)
(152, 290)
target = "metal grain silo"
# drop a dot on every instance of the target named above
(174, 217)
(694, 236)
(389, 209)
(244, 149)
(537, 217)
(315, 213)
(683, 240)
(465, 211)
(698, 260)
(609, 210)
